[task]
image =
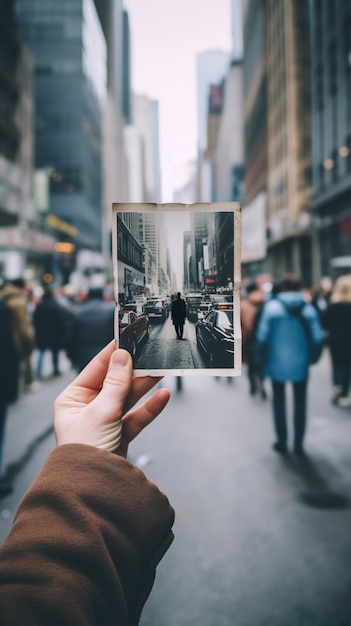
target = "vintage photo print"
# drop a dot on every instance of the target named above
(177, 275)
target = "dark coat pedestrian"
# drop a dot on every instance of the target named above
(90, 329)
(338, 327)
(9, 375)
(178, 315)
(289, 339)
(50, 321)
(250, 309)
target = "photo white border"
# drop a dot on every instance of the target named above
(228, 207)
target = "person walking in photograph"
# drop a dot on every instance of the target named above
(178, 315)
(289, 339)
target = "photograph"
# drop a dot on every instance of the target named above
(177, 287)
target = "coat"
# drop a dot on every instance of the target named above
(22, 329)
(289, 337)
(178, 312)
(85, 543)
(337, 322)
(9, 360)
(90, 329)
(50, 320)
(249, 309)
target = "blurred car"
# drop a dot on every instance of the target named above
(133, 330)
(156, 310)
(215, 336)
(203, 308)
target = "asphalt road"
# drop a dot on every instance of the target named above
(260, 540)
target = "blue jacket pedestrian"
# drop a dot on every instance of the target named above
(289, 337)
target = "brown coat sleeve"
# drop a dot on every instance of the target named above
(85, 543)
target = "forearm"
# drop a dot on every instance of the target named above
(85, 542)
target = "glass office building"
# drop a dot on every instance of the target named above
(69, 50)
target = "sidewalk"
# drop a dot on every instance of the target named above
(29, 420)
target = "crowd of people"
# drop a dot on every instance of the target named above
(284, 333)
(48, 322)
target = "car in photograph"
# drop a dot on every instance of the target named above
(156, 310)
(215, 336)
(136, 307)
(133, 330)
(192, 302)
(203, 308)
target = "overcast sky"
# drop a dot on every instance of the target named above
(166, 35)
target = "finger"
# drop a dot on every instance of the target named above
(140, 387)
(92, 376)
(135, 421)
(109, 403)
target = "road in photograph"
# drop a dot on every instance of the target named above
(164, 351)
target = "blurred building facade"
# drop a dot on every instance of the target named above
(297, 69)
(25, 243)
(330, 24)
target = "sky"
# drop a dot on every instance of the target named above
(166, 35)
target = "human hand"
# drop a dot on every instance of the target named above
(97, 407)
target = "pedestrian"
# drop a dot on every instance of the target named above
(50, 321)
(289, 339)
(250, 309)
(91, 530)
(338, 328)
(178, 314)
(90, 328)
(13, 294)
(321, 297)
(9, 375)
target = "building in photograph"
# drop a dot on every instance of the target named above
(199, 238)
(331, 136)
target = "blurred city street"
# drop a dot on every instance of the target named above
(260, 540)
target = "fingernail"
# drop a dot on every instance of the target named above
(120, 358)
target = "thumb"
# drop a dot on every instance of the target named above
(109, 403)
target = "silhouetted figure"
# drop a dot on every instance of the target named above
(289, 339)
(250, 309)
(9, 374)
(90, 328)
(14, 294)
(337, 322)
(178, 315)
(50, 320)
(321, 299)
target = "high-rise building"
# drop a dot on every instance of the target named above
(199, 236)
(69, 51)
(331, 135)
(26, 247)
(288, 129)
(211, 68)
(146, 120)
(254, 241)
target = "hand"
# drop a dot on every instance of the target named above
(97, 407)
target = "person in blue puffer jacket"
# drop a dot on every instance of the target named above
(289, 339)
